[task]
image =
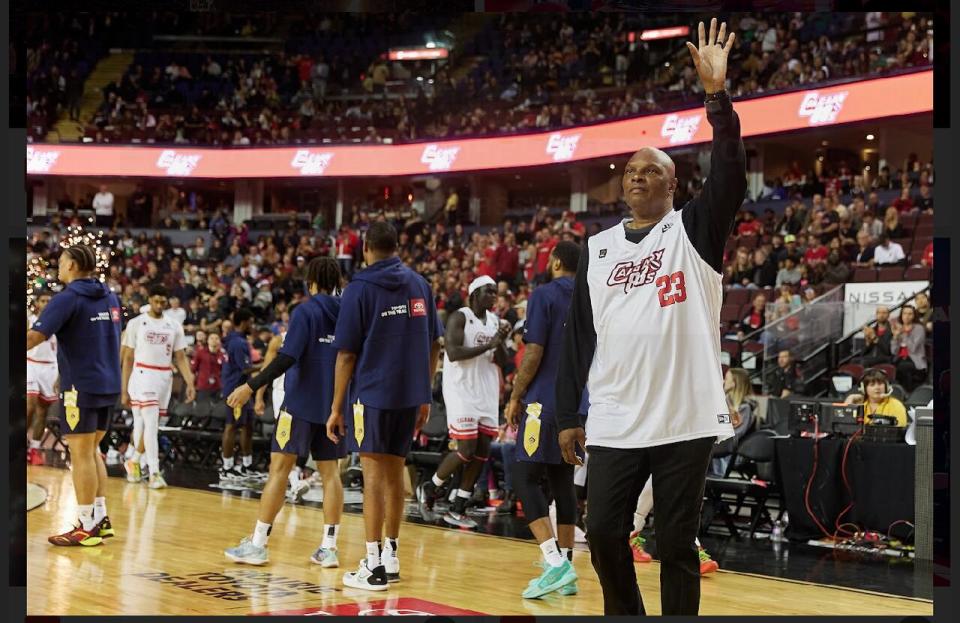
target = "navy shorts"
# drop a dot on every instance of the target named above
(542, 446)
(306, 438)
(90, 420)
(385, 431)
(247, 416)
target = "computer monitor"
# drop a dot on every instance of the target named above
(804, 418)
(845, 419)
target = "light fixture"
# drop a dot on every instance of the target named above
(820, 158)
(867, 168)
(419, 78)
(431, 44)
(613, 166)
(667, 64)
(825, 143)
(869, 137)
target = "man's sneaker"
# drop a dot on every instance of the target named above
(106, 528)
(133, 470)
(509, 504)
(325, 557)
(247, 553)
(569, 589)
(636, 546)
(366, 579)
(707, 564)
(298, 490)
(77, 536)
(427, 493)
(157, 481)
(460, 520)
(552, 578)
(391, 564)
(35, 456)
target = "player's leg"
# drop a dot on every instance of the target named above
(33, 400)
(394, 466)
(464, 430)
(37, 426)
(100, 501)
(84, 475)
(557, 571)
(371, 574)
(246, 443)
(480, 452)
(644, 506)
(227, 441)
(150, 413)
(679, 475)
(326, 554)
(614, 483)
(560, 477)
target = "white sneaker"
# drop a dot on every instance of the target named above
(325, 557)
(366, 579)
(297, 491)
(391, 565)
(157, 481)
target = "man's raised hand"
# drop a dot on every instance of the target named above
(710, 57)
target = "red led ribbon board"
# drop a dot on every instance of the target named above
(858, 101)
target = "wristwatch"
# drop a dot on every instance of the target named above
(715, 101)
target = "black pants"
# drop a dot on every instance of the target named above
(908, 375)
(616, 478)
(527, 478)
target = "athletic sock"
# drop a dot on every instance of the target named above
(551, 553)
(460, 502)
(294, 477)
(86, 516)
(35, 444)
(248, 460)
(261, 533)
(99, 509)
(330, 534)
(373, 555)
(437, 480)
(390, 548)
(567, 552)
(227, 463)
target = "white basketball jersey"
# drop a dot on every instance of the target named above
(45, 351)
(472, 386)
(655, 377)
(154, 340)
(278, 382)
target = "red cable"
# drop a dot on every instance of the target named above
(843, 472)
(813, 472)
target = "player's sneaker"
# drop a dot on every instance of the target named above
(297, 491)
(427, 493)
(366, 579)
(636, 546)
(552, 578)
(707, 564)
(569, 589)
(391, 564)
(247, 553)
(460, 520)
(106, 528)
(325, 557)
(77, 536)
(157, 481)
(133, 470)
(35, 456)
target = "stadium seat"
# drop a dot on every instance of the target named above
(853, 369)
(890, 273)
(737, 296)
(889, 370)
(920, 397)
(917, 273)
(864, 275)
(730, 313)
(924, 231)
(732, 348)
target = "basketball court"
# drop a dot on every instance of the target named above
(167, 559)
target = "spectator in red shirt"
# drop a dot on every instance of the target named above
(755, 318)
(816, 252)
(903, 203)
(571, 224)
(545, 244)
(206, 364)
(507, 260)
(749, 226)
(927, 259)
(347, 242)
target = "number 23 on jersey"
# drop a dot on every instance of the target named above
(672, 289)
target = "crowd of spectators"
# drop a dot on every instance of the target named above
(538, 72)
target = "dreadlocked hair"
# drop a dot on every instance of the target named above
(84, 256)
(325, 273)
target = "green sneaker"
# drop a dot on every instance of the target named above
(569, 589)
(247, 553)
(552, 578)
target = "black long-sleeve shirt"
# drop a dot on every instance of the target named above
(708, 220)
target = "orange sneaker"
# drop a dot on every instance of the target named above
(707, 564)
(636, 546)
(77, 536)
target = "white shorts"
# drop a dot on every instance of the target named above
(469, 426)
(276, 396)
(41, 381)
(150, 388)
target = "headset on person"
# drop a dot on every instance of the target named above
(872, 372)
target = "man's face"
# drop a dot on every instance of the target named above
(213, 342)
(486, 296)
(784, 359)
(649, 179)
(41, 302)
(883, 314)
(158, 303)
(863, 238)
(876, 389)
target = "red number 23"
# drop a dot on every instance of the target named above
(666, 283)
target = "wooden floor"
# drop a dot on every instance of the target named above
(167, 559)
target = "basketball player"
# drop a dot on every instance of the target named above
(297, 486)
(41, 383)
(306, 361)
(150, 343)
(233, 374)
(538, 453)
(388, 338)
(473, 354)
(85, 317)
(643, 336)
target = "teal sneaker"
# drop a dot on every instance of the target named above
(325, 557)
(247, 553)
(552, 578)
(569, 589)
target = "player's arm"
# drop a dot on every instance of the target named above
(708, 219)
(532, 355)
(35, 338)
(500, 355)
(183, 365)
(126, 369)
(456, 351)
(272, 349)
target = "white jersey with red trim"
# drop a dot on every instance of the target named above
(153, 340)
(277, 387)
(472, 386)
(45, 352)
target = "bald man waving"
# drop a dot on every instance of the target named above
(643, 336)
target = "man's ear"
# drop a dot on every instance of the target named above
(674, 183)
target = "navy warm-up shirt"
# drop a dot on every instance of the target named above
(238, 359)
(85, 317)
(308, 384)
(389, 319)
(546, 311)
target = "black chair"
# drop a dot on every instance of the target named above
(920, 397)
